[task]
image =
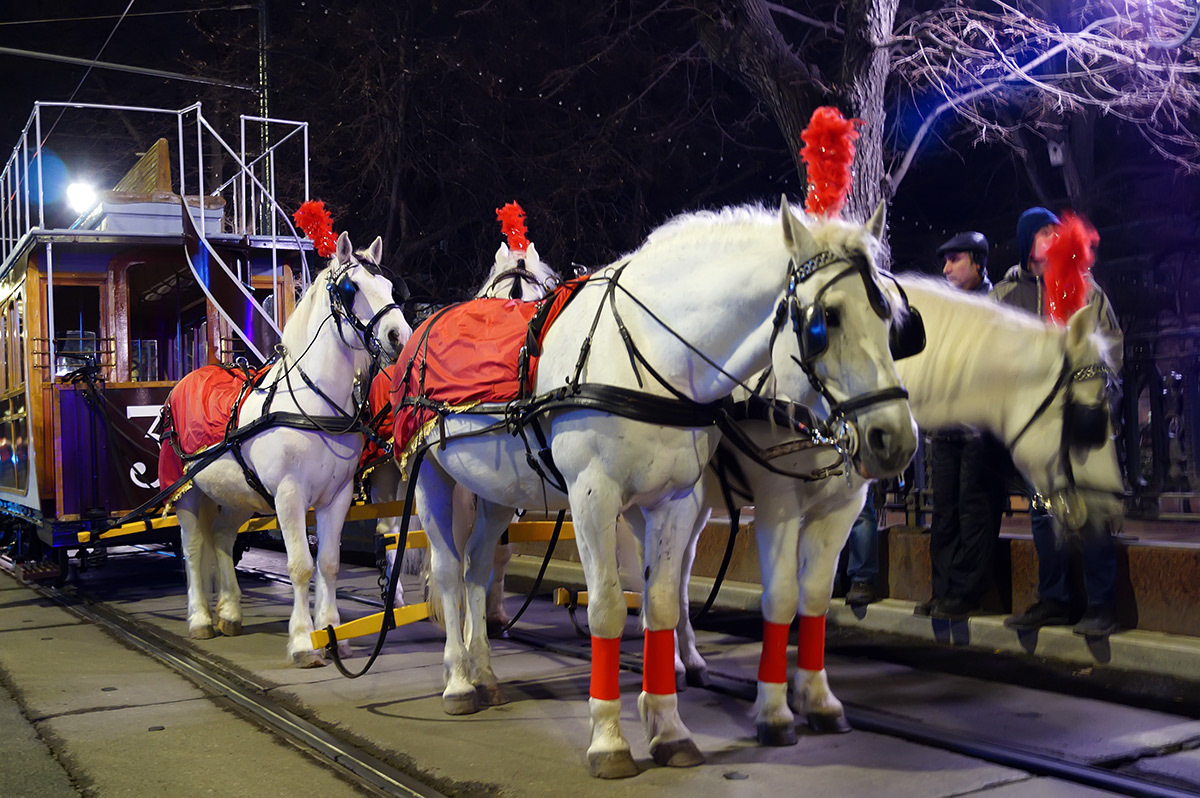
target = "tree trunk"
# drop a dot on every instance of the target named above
(740, 37)
(865, 66)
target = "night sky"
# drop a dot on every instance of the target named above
(479, 136)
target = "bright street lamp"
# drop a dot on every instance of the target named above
(81, 197)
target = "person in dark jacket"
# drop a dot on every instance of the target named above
(968, 477)
(1022, 287)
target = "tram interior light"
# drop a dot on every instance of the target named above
(81, 197)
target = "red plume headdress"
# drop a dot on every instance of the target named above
(828, 155)
(1069, 258)
(512, 224)
(317, 224)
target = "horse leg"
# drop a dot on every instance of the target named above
(195, 512)
(291, 508)
(490, 522)
(497, 617)
(690, 667)
(595, 502)
(777, 530)
(435, 504)
(668, 533)
(229, 595)
(820, 545)
(384, 483)
(330, 519)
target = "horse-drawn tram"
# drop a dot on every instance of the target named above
(190, 258)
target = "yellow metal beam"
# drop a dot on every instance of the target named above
(563, 598)
(370, 624)
(358, 512)
(518, 532)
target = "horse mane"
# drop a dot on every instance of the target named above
(1012, 335)
(738, 226)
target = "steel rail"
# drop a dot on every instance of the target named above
(349, 761)
(366, 768)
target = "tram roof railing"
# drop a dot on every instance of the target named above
(245, 175)
(243, 179)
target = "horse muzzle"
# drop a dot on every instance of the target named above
(886, 442)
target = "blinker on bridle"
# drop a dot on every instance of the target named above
(810, 325)
(342, 293)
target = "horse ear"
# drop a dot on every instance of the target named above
(877, 221)
(795, 234)
(375, 251)
(344, 248)
(531, 253)
(502, 253)
(1082, 323)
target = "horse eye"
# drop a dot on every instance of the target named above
(833, 317)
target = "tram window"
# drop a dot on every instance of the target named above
(76, 322)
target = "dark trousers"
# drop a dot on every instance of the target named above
(1099, 552)
(969, 494)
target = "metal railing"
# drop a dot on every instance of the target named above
(243, 176)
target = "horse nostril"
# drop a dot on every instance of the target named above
(877, 439)
(394, 338)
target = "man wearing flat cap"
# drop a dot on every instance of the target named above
(968, 477)
(965, 257)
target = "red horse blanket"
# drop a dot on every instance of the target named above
(198, 412)
(380, 402)
(464, 356)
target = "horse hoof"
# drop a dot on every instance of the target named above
(343, 649)
(229, 628)
(308, 659)
(492, 696)
(612, 765)
(201, 632)
(775, 735)
(828, 724)
(698, 677)
(677, 754)
(460, 703)
(496, 629)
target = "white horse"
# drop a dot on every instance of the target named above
(985, 365)
(348, 310)
(515, 274)
(702, 306)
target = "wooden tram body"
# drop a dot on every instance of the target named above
(100, 317)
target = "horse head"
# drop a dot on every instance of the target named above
(1087, 449)
(1089, 383)
(519, 274)
(368, 299)
(836, 323)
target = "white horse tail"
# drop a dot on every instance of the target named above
(433, 596)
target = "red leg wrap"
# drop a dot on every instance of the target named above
(606, 668)
(810, 653)
(772, 665)
(658, 665)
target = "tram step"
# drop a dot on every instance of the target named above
(37, 571)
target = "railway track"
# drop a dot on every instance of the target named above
(251, 697)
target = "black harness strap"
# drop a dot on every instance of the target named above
(1063, 375)
(725, 466)
(537, 582)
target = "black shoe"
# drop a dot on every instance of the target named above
(861, 593)
(1043, 613)
(1097, 622)
(952, 609)
(924, 609)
